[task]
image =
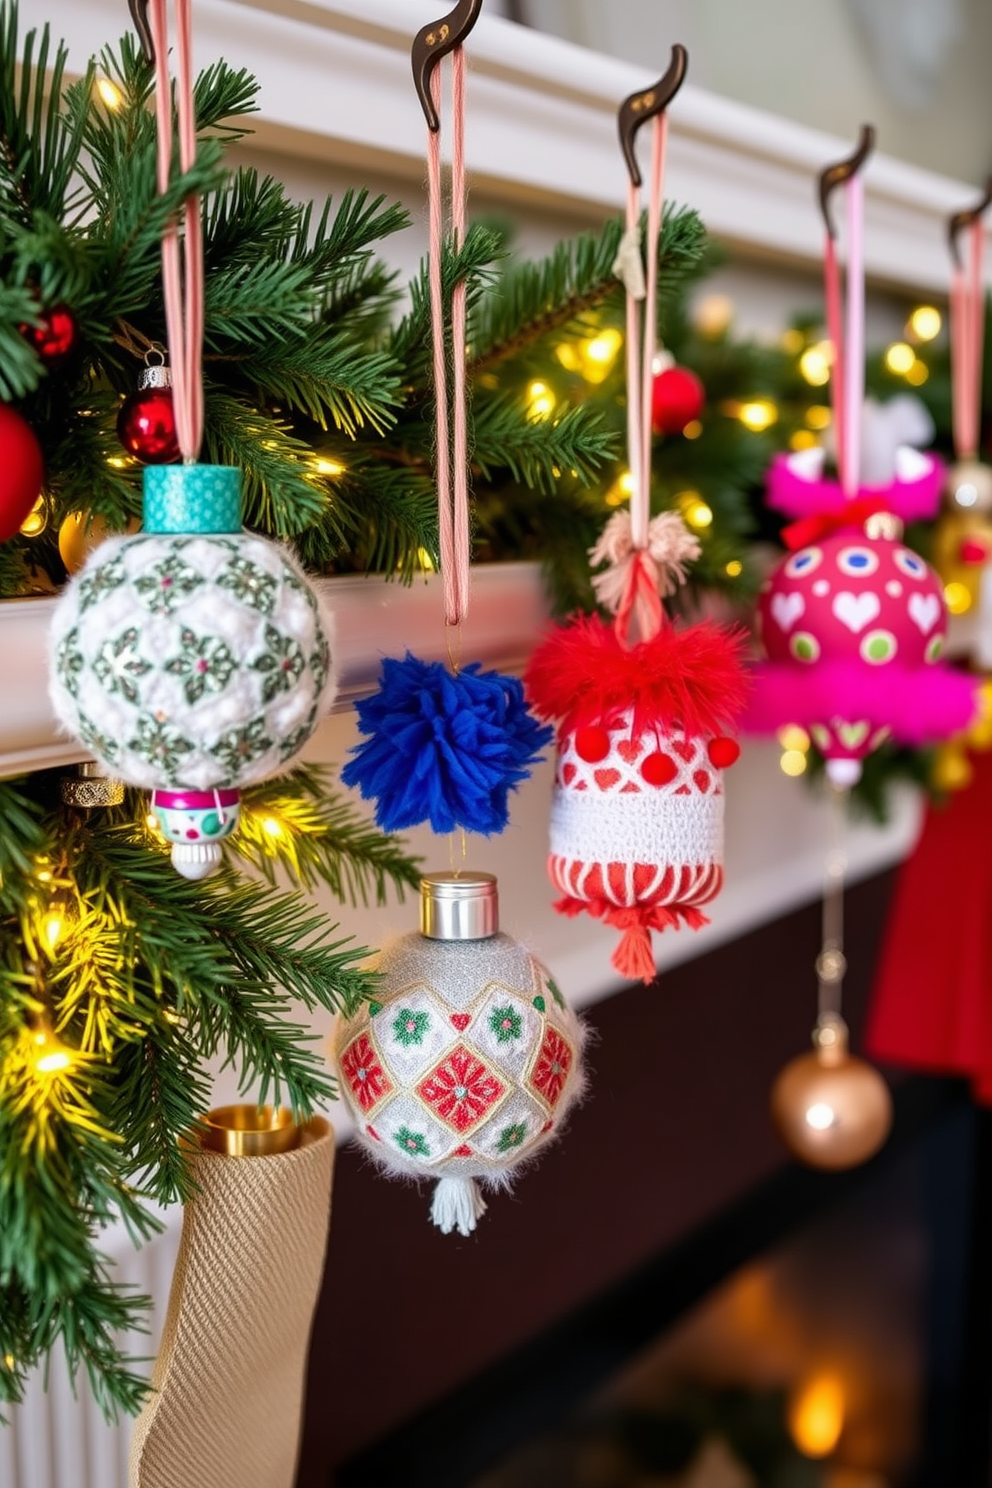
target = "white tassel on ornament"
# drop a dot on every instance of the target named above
(457, 1205)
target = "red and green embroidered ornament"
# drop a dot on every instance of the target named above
(636, 833)
(464, 1066)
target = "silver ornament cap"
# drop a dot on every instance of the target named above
(459, 906)
(154, 375)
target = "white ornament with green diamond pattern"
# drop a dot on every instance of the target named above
(192, 656)
(466, 1063)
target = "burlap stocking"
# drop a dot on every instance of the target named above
(229, 1377)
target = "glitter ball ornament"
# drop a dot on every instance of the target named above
(636, 835)
(467, 1062)
(677, 398)
(21, 471)
(831, 1109)
(55, 337)
(146, 423)
(191, 660)
(854, 627)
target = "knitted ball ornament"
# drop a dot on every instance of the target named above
(444, 747)
(464, 1066)
(191, 662)
(636, 835)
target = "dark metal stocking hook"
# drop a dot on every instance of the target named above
(647, 104)
(836, 175)
(139, 15)
(957, 223)
(431, 43)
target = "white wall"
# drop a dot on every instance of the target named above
(917, 69)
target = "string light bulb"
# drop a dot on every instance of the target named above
(36, 520)
(323, 466)
(758, 415)
(49, 1057)
(899, 357)
(925, 322)
(814, 364)
(792, 762)
(540, 401)
(695, 510)
(273, 828)
(957, 598)
(599, 353)
(109, 94)
(816, 1416)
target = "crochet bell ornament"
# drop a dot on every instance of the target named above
(636, 835)
(467, 1062)
(191, 659)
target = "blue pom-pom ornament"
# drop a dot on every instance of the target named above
(444, 747)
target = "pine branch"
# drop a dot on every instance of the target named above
(281, 491)
(539, 299)
(317, 836)
(325, 376)
(536, 451)
(397, 534)
(39, 145)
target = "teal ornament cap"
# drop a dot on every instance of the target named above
(192, 498)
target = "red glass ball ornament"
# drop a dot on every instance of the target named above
(146, 426)
(55, 337)
(677, 397)
(592, 744)
(22, 470)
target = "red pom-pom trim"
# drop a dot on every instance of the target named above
(592, 744)
(691, 679)
(723, 752)
(659, 769)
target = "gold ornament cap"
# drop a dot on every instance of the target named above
(91, 788)
(459, 906)
(249, 1131)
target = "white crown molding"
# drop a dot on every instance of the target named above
(336, 87)
(373, 618)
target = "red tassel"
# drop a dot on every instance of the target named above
(633, 957)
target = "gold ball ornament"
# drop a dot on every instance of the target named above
(831, 1109)
(82, 533)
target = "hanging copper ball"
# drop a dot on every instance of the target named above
(831, 1109)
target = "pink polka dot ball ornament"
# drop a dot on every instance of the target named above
(467, 1062)
(191, 659)
(854, 626)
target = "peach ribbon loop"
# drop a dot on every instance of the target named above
(431, 45)
(182, 242)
